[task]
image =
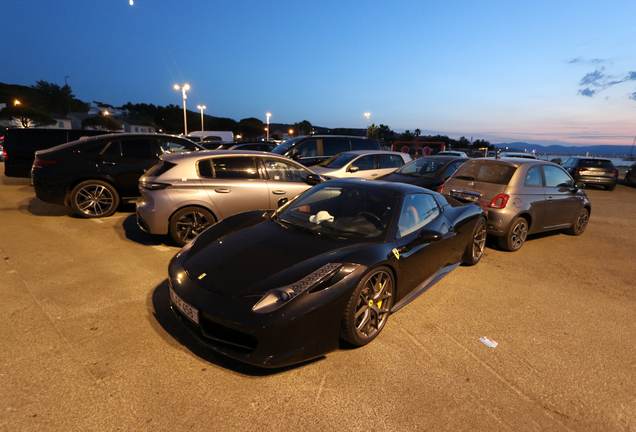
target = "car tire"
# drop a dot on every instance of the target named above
(476, 244)
(188, 223)
(516, 235)
(369, 307)
(610, 188)
(94, 199)
(578, 227)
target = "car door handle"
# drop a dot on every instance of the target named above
(223, 190)
(279, 192)
(549, 198)
(374, 174)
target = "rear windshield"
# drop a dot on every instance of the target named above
(160, 168)
(486, 171)
(596, 163)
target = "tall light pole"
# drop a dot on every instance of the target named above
(70, 115)
(367, 115)
(201, 107)
(185, 118)
(268, 115)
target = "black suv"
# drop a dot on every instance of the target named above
(313, 149)
(93, 175)
(592, 171)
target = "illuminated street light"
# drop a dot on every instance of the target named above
(268, 115)
(16, 103)
(185, 118)
(201, 107)
(291, 132)
(367, 115)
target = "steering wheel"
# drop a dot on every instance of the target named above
(376, 221)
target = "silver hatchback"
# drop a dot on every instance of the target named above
(185, 193)
(521, 197)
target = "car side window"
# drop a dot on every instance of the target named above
(332, 146)
(364, 144)
(279, 170)
(228, 168)
(137, 149)
(556, 177)
(452, 168)
(391, 161)
(533, 177)
(174, 146)
(364, 163)
(113, 150)
(417, 211)
(307, 149)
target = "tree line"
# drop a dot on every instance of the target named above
(38, 102)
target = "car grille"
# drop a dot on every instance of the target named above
(219, 333)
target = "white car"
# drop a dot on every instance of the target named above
(452, 153)
(367, 164)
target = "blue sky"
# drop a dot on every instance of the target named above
(537, 71)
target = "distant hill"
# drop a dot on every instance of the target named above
(593, 150)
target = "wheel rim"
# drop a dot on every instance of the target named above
(519, 234)
(94, 200)
(374, 305)
(191, 225)
(581, 222)
(479, 240)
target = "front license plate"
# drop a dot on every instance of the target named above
(184, 307)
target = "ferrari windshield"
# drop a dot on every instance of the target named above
(422, 167)
(349, 211)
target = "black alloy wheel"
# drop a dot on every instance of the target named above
(94, 199)
(188, 223)
(476, 245)
(516, 235)
(369, 307)
(578, 227)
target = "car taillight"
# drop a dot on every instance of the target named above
(500, 201)
(440, 189)
(43, 162)
(613, 171)
(152, 185)
(580, 169)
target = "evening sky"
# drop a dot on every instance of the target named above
(536, 71)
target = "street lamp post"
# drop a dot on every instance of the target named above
(201, 107)
(268, 115)
(68, 97)
(367, 115)
(183, 91)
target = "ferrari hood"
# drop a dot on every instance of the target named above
(261, 257)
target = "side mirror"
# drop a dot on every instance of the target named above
(296, 156)
(282, 201)
(313, 179)
(579, 185)
(353, 169)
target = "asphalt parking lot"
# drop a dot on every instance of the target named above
(87, 341)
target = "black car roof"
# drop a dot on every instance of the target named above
(108, 137)
(397, 188)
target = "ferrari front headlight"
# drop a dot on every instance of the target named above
(277, 297)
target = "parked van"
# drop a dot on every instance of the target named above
(204, 136)
(313, 149)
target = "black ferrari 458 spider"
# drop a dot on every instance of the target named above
(274, 288)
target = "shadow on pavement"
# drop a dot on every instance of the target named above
(176, 332)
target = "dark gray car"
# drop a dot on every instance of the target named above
(521, 196)
(592, 171)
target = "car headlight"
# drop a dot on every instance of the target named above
(277, 297)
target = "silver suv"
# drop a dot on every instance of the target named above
(521, 197)
(185, 193)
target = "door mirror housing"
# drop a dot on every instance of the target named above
(353, 169)
(579, 185)
(313, 179)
